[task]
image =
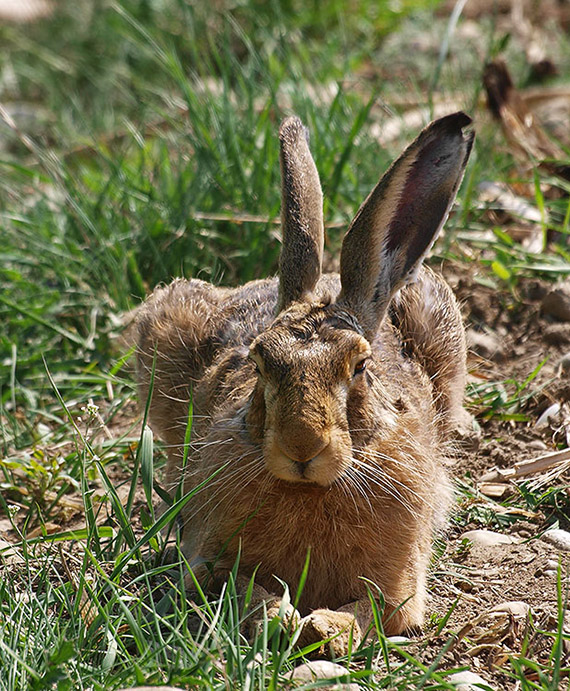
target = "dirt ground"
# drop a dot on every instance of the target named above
(519, 333)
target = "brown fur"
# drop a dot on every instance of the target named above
(312, 452)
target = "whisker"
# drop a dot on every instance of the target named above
(388, 483)
(227, 487)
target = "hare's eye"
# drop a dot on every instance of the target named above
(360, 366)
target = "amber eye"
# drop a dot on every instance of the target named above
(360, 366)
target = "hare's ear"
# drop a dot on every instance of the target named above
(301, 215)
(401, 218)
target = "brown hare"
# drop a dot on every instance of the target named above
(324, 401)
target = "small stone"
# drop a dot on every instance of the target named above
(323, 669)
(466, 586)
(558, 538)
(398, 640)
(548, 416)
(556, 303)
(24, 12)
(488, 538)
(494, 489)
(537, 445)
(468, 681)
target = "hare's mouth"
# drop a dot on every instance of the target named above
(324, 469)
(310, 472)
(303, 471)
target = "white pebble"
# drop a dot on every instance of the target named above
(537, 445)
(518, 609)
(323, 669)
(560, 539)
(468, 681)
(488, 538)
(548, 416)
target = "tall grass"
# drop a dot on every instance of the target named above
(139, 143)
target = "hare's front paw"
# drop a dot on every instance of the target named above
(323, 624)
(289, 618)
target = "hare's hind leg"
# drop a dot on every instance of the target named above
(174, 328)
(427, 316)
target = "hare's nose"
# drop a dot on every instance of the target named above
(302, 451)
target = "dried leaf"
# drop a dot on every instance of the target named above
(524, 133)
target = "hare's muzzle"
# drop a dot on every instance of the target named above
(303, 456)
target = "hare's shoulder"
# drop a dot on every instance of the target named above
(203, 313)
(183, 328)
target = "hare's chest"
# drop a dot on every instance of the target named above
(337, 545)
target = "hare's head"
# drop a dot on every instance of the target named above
(318, 382)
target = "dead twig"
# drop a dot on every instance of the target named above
(532, 466)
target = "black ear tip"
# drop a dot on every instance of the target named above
(292, 129)
(453, 123)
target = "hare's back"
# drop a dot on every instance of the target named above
(428, 319)
(224, 318)
(187, 322)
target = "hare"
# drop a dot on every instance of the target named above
(321, 403)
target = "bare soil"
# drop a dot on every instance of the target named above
(478, 578)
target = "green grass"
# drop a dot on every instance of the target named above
(139, 143)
